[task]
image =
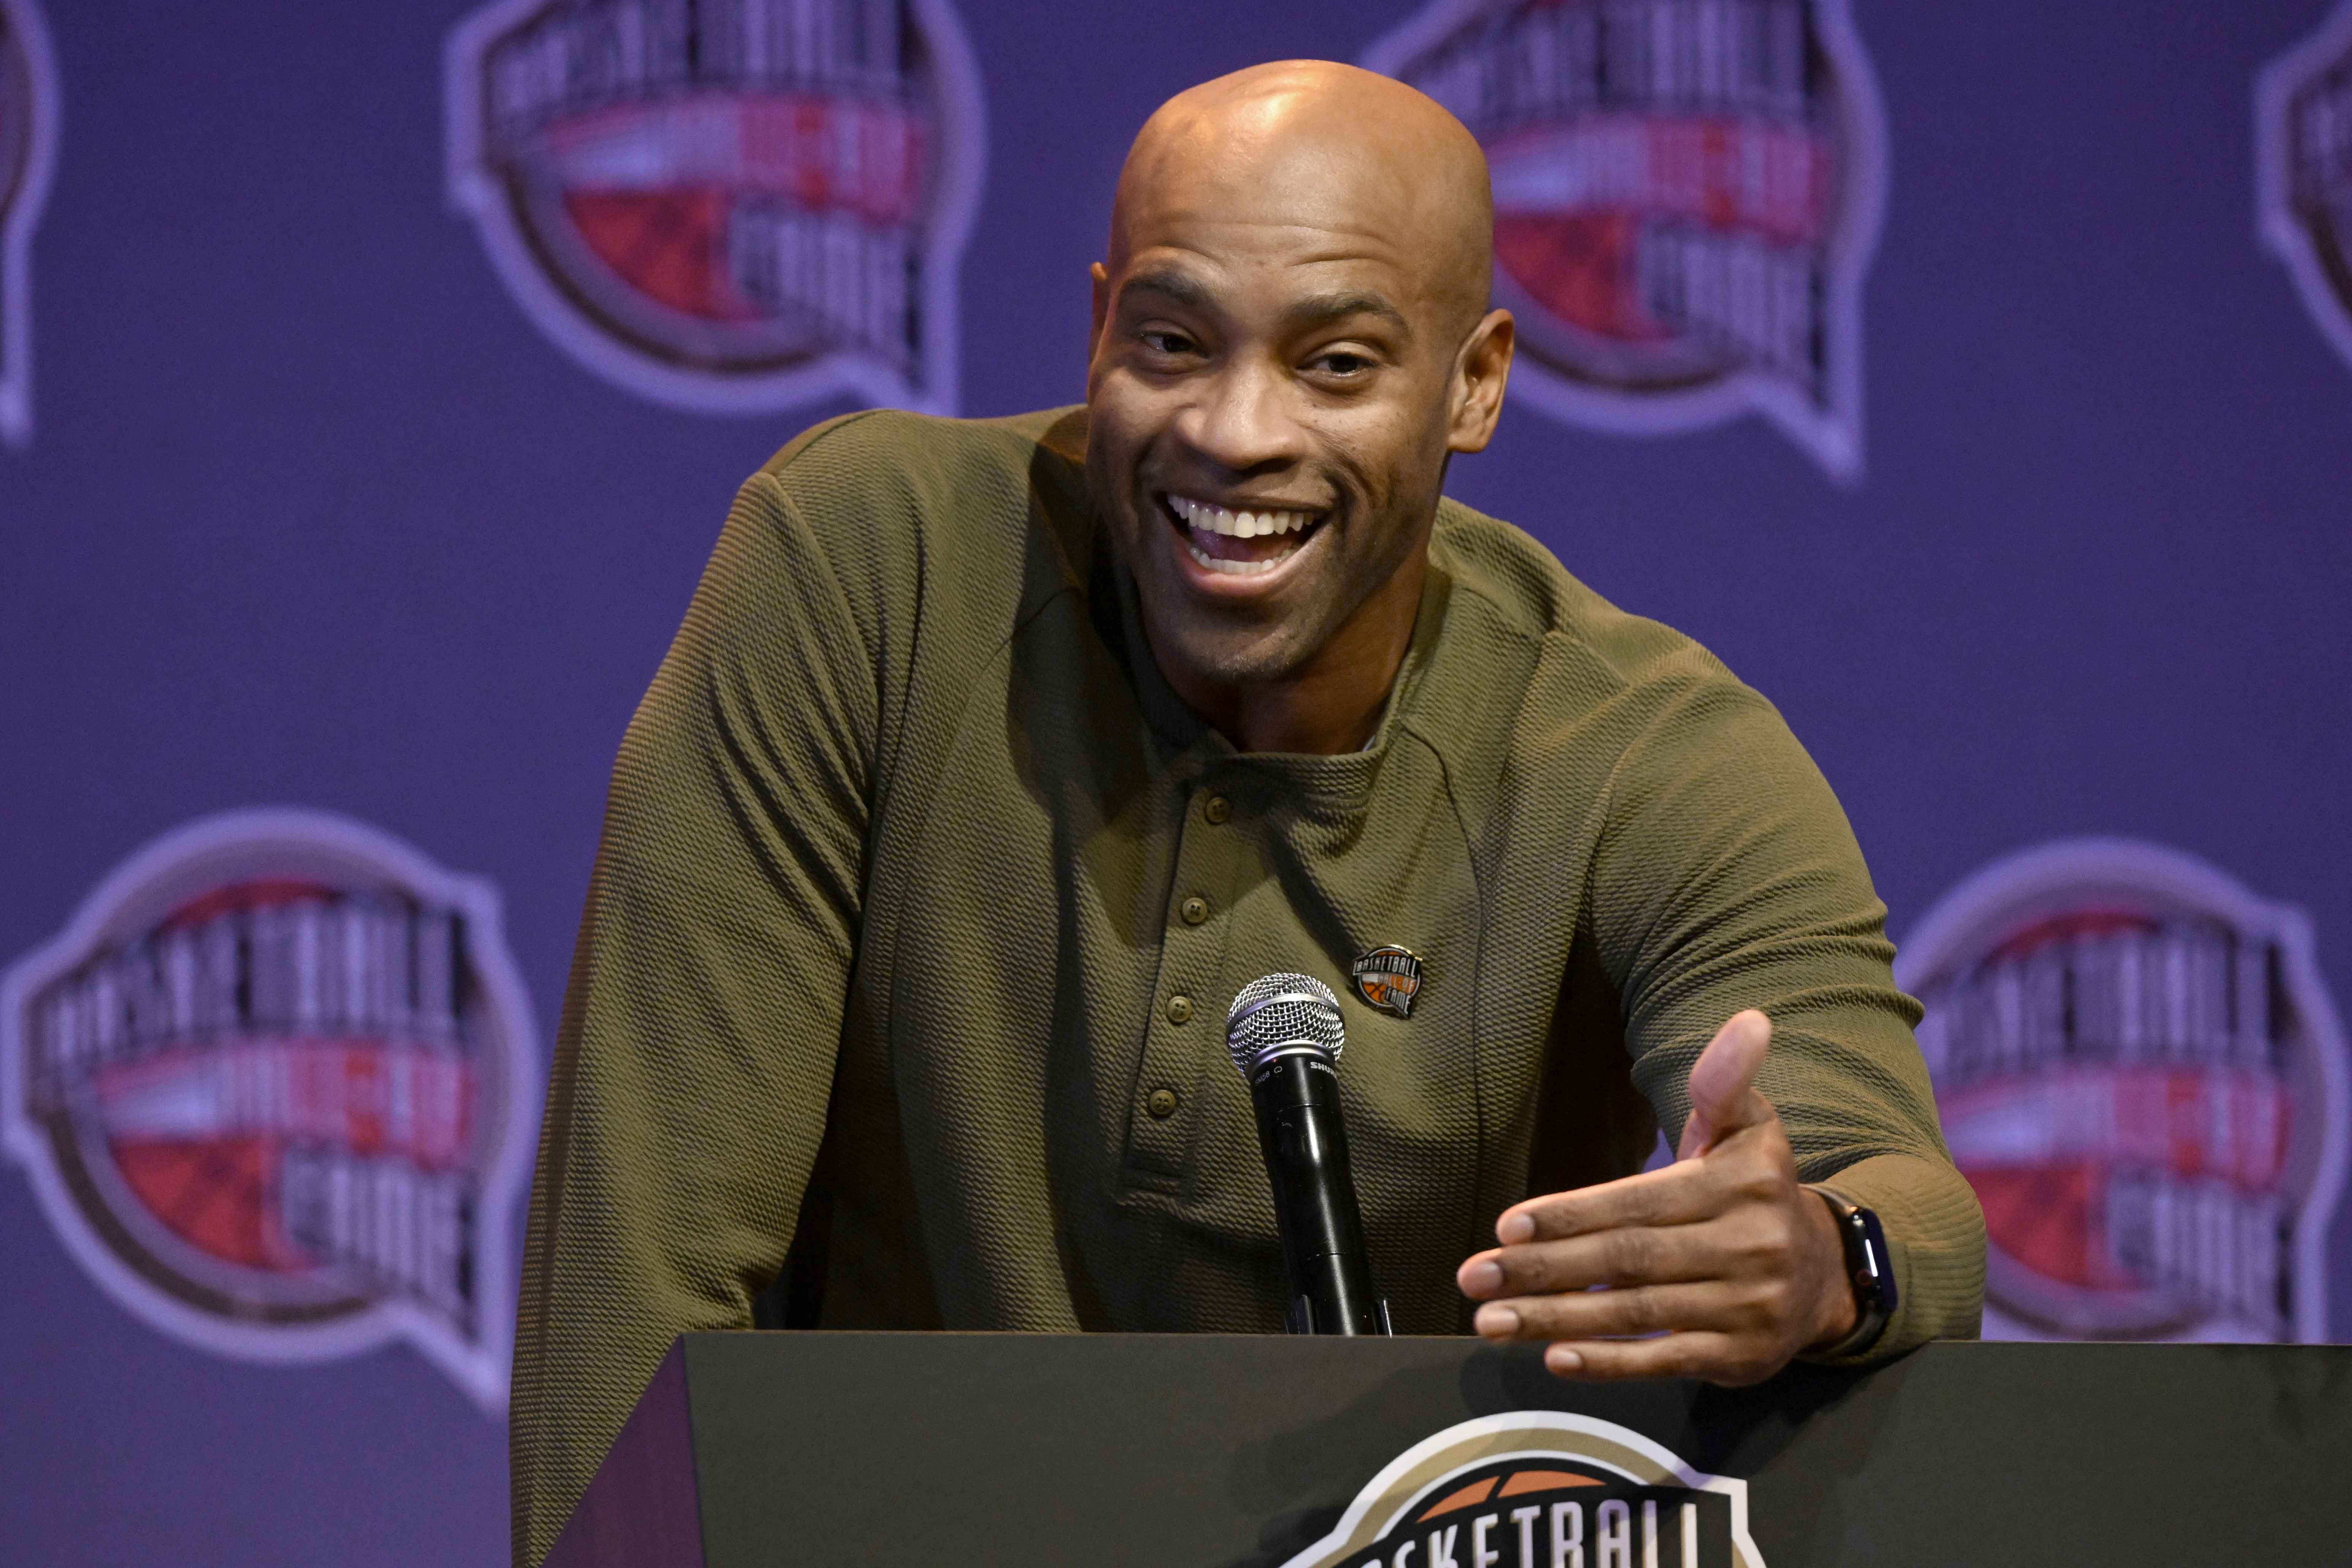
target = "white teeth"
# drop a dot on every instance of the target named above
(1236, 568)
(1237, 524)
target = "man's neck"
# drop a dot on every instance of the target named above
(1333, 703)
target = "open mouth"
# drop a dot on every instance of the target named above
(1239, 544)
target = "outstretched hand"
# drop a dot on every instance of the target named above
(1720, 1265)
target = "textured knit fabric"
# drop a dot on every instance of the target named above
(911, 852)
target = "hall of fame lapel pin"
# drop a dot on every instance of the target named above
(1389, 978)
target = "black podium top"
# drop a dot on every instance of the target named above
(1232, 1452)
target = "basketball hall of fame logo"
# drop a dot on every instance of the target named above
(28, 137)
(1686, 194)
(2140, 1071)
(729, 206)
(274, 1085)
(1539, 1488)
(2303, 139)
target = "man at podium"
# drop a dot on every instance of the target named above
(993, 758)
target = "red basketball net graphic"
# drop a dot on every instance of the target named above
(1686, 195)
(2137, 1076)
(267, 1085)
(730, 203)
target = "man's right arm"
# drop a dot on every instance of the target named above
(1728, 879)
(696, 1047)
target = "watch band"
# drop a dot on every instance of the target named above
(1868, 1268)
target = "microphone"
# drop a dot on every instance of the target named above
(1286, 1034)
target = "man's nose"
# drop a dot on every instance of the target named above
(1244, 419)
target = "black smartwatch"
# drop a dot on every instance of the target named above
(1868, 1269)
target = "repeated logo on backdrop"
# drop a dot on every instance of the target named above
(1539, 1488)
(1686, 196)
(2140, 1071)
(274, 1087)
(2303, 137)
(28, 134)
(730, 205)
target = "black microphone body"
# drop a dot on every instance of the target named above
(1294, 1084)
(1305, 1141)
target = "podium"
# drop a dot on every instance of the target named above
(1211, 1451)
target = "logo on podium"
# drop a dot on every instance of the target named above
(730, 206)
(1539, 1487)
(2140, 1071)
(28, 137)
(1686, 197)
(274, 1085)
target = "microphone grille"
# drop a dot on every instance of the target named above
(1283, 1010)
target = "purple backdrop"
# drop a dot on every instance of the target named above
(314, 516)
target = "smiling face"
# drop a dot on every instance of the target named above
(1289, 340)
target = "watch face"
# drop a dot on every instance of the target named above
(1872, 1266)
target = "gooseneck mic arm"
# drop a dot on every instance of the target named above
(1286, 1034)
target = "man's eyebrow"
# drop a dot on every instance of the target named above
(1315, 311)
(1170, 284)
(1323, 310)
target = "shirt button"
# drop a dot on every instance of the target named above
(1194, 910)
(1217, 809)
(1162, 1103)
(1180, 1009)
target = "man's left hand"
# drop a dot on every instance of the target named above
(1719, 1266)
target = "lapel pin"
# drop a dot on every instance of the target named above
(1389, 978)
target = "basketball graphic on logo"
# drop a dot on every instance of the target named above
(732, 205)
(1539, 1486)
(2139, 1072)
(275, 1087)
(1389, 978)
(1686, 199)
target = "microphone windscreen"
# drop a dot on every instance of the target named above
(1283, 1010)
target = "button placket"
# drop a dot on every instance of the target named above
(1181, 1037)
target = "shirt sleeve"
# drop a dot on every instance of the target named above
(1727, 877)
(695, 1052)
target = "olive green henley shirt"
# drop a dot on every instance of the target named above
(912, 852)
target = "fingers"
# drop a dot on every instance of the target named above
(1705, 1328)
(1598, 1314)
(1744, 1233)
(1723, 1083)
(1730, 1360)
(1621, 1257)
(1691, 1306)
(1746, 1167)
(1675, 1196)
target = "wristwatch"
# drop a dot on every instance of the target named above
(1870, 1271)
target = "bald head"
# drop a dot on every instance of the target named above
(1315, 144)
(1291, 341)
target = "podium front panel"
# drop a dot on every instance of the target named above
(1207, 1451)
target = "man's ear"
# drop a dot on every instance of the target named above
(1480, 371)
(1102, 307)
